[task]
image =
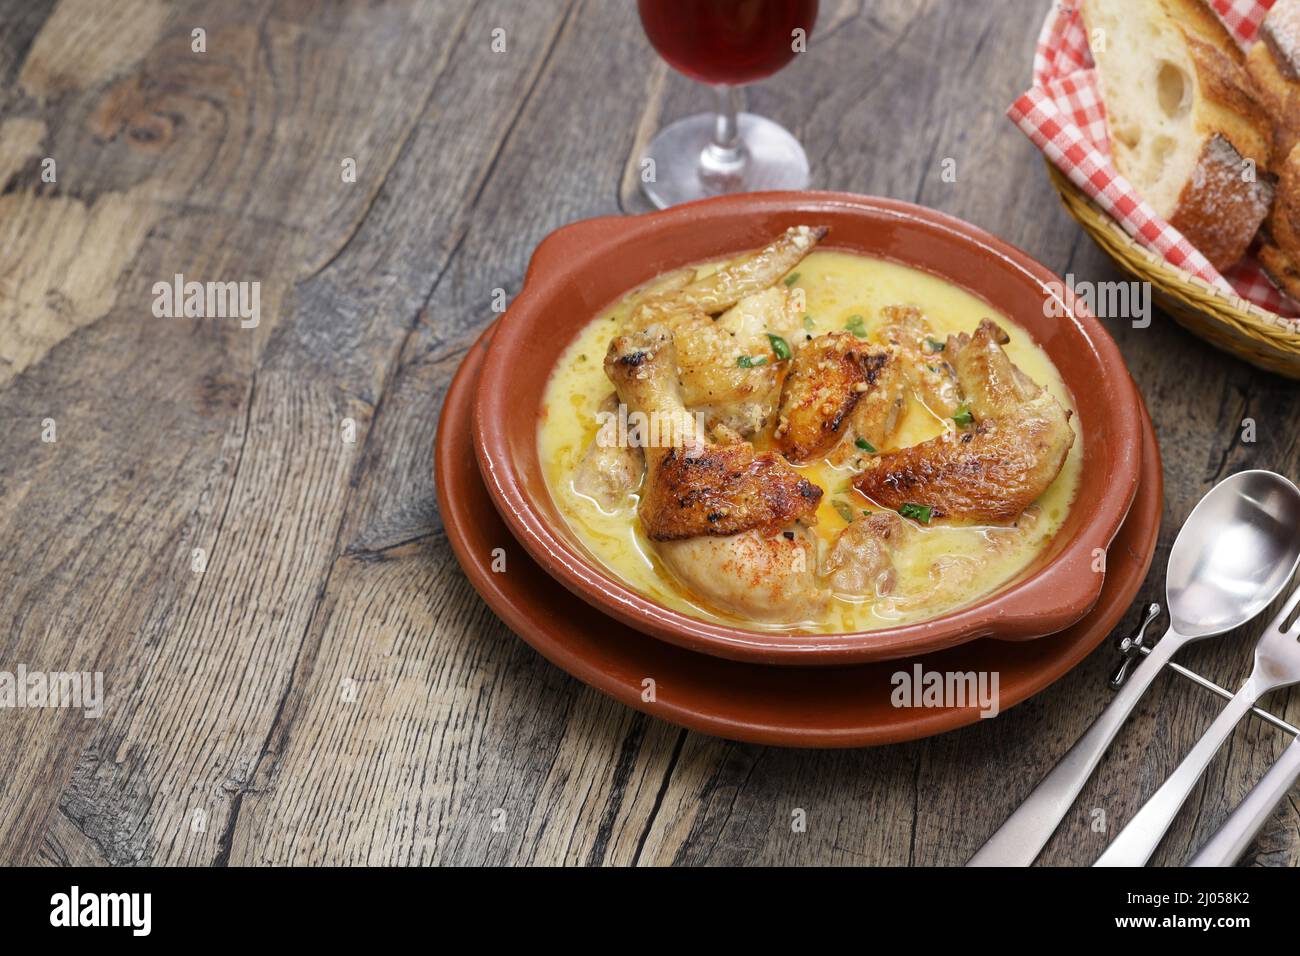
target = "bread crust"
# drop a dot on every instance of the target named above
(1220, 209)
(1222, 206)
(1279, 268)
(1223, 201)
(1279, 250)
(1273, 66)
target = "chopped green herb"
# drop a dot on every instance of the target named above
(746, 362)
(856, 325)
(866, 446)
(935, 344)
(919, 513)
(845, 511)
(780, 346)
(808, 322)
(792, 278)
(866, 512)
(963, 416)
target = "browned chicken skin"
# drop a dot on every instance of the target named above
(723, 518)
(749, 274)
(836, 384)
(927, 368)
(995, 469)
(697, 487)
(876, 416)
(718, 319)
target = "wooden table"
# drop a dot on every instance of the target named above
(330, 689)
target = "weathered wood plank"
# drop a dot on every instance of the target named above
(330, 689)
(183, 422)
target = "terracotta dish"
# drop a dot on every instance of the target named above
(581, 269)
(788, 706)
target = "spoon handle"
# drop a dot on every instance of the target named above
(1018, 841)
(1139, 839)
(1243, 825)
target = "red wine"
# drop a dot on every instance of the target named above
(726, 41)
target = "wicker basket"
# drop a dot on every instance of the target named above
(1226, 321)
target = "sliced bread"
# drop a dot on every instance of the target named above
(1274, 66)
(1184, 124)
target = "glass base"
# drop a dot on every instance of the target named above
(683, 170)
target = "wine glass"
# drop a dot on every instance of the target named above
(725, 43)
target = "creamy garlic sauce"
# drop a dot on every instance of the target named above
(976, 560)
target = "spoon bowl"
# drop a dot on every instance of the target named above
(1238, 549)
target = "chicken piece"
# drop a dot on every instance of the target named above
(825, 383)
(928, 372)
(755, 575)
(994, 387)
(753, 272)
(994, 470)
(862, 562)
(709, 357)
(834, 383)
(695, 486)
(722, 518)
(876, 417)
(609, 470)
(755, 316)
(727, 365)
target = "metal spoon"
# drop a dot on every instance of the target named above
(1238, 549)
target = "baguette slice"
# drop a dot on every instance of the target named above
(1280, 268)
(1274, 67)
(1279, 253)
(1182, 119)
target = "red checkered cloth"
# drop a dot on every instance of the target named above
(1064, 117)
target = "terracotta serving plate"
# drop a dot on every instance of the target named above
(581, 269)
(789, 706)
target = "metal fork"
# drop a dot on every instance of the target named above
(1277, 664)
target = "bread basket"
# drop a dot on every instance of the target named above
(1228, 322)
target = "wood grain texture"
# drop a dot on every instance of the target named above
(330, 689)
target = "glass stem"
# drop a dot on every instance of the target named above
(726, 135)
(724, 159)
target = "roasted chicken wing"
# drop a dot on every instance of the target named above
(836, 384)
(923, 358)
(608, 471)
(723, 324)
(743, 276)
(990, 472)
